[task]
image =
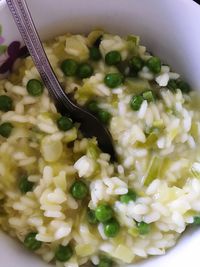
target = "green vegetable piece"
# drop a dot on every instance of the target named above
(152, 137)
(172, 85)
(137, 85)
(130, 196)
(134, 39)
(63, 253)
(92, 106)
(104, 116)
(6, 103)
(6, 129)
(25, 185)
(136, 63)
(159, 124)
(111, 228)
(93, 151)
(133, 231)
(79, 190)
(69, 67)
(196, 220)
(183, 86)
(31, 242)
(153, 170)
(113, 58)
(154, 64)
(91, 217)
(84, 70)
(143, 228)
(95, 53)
(64, 123)
(113, 80)
(105, 262)
(136, 102)
(103, 212)
(148, 95)
(35, 87)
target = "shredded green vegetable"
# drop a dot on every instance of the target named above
(153, 170)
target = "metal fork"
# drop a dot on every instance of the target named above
(90, 125)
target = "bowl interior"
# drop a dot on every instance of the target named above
(168, 28)
(162, 25)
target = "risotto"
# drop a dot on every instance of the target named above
(60, 195)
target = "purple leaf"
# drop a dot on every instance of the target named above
(7, 65)
(13, 49)
(23, 52)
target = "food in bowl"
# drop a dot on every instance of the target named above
(60, 195)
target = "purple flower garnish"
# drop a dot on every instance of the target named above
(14, 51)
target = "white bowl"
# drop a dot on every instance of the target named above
(168, 28)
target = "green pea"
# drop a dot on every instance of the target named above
(113, 80)
(84, 70)
(35, 87)
(143, 228)
(31, 242)
(6, 129)
(79, 190)
(148, 95)
(95, 53)
(136, 102)
(154, 64)
(183, 86)
(172, 85)
(104, 116)
(111, 228)
(103, 212)
(63, 253)
(113, 58)
(69, 67)
(136, 64)
(130, 196)
(92, 106)
(91, 217)
(64, 123)
(196, 220)
(6, 103)
(25, 185)
(105, 262)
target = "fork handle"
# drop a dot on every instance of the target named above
(27, 29)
